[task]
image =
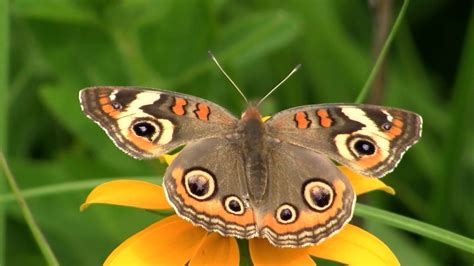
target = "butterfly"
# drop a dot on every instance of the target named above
(251, 178)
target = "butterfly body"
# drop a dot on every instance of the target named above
(254, 145)
(249, 178)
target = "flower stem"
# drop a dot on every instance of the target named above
(35, 230)
(417, 227)
(378, 63)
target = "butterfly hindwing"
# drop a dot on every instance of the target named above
(308, 198)
(206, 185)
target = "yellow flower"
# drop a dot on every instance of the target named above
(174, 241)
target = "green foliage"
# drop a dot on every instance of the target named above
(58, 47)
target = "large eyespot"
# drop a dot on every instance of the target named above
(286, 214)
(318, 195)
(199, 183)
(362, 146)
(234, 205)
(147, 129)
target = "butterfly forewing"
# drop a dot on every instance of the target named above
(145, 123)
(369, 139)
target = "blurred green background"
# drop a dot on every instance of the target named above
(54, 48)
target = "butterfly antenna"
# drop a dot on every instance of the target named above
(279, 84)
(227, 76)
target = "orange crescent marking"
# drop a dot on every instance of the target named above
(210, 207)
(178, 107)
(368, 162)
(202, 111)
(324, 118)
(301, 120)
(140, 142)
(308, 219)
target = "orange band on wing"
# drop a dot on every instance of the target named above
(396, 129)
(110, 110)
(307, 219)
(104, 100)
(178, 107)
(324, 118)
(202, 111)
(302, 121)
(397, 122)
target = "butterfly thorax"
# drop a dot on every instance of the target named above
(254, 147)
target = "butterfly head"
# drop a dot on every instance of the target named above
(251, 113)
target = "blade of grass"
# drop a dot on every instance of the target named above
(415, 226)
(61, 188)
(35, 230)
(378, 63)
(4, 47)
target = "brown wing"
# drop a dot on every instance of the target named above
(145, 123)
(206, 185)
(308, 198)
(369, 139)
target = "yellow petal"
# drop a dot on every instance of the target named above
(363, 184)
(354, 246)
(263, 253)
(168, 158)
(171, 241)
(216, 250)
(131, 193)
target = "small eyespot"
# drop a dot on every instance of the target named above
(318, 195)
(200, 184)
(386, 126)
(116, 105)
(286, 214)
(234, 205)
(146, 129)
